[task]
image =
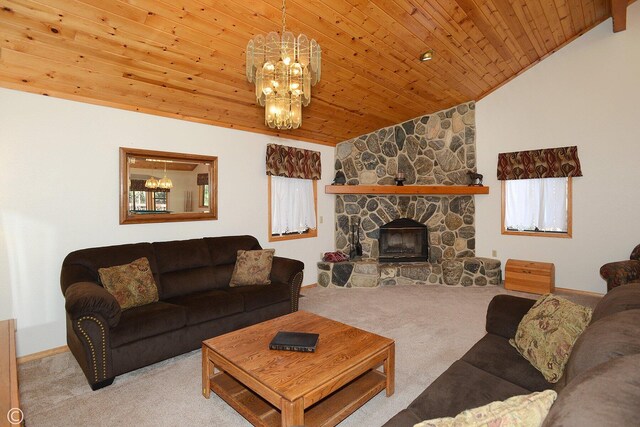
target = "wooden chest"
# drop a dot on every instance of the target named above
(529, 276)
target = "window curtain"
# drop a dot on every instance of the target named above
(544, 163)
(293, 162)
(292, 205)
(138, 185)
(533, 203)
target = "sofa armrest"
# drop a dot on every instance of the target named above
(88, 298)
(620, 273)
(505, 313)
(289, 271)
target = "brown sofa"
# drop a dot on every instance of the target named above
(600, 385)
(195, 302)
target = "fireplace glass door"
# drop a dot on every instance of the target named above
(403, 241)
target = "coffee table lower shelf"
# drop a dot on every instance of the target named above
(326, 413)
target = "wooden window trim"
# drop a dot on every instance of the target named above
(312, 232)
(566, 235)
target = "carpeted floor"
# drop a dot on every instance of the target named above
(432, 326)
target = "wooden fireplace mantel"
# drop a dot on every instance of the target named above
(405, 189)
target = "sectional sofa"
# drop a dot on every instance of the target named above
(601, 381)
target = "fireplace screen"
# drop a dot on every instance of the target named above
(403, 240)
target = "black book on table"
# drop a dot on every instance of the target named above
(294, 341)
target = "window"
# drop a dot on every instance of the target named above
(137, 200)
(148, 200)
(203, 196)
(537, 207)
(292, 208)
(160, 201)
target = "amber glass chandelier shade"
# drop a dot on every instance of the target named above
(165, 183)
(283, 69)
(151, 183)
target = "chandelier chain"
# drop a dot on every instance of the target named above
(284, 16)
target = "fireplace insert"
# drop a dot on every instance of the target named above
(403, 240)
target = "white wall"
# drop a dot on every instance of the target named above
(59, 192)
(587, 94)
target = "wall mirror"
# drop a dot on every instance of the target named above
(159, 186)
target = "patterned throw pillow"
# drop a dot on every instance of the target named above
(252, 268)
(546, 334)
(528, 410)
(131, 284)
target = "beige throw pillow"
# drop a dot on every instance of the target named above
(252, 268)
(131, 284)
(546, 334)
(518, 411)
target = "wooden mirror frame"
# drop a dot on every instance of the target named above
(127, 218)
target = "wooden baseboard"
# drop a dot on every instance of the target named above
(579, 292)
(306, 287)
(42, 354)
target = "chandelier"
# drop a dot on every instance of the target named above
(283, 70)
(164, 183)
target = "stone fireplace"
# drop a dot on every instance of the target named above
(436, 149)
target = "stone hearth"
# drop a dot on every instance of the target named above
(369, 273)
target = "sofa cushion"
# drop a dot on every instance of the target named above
(181, 254)
(496, 356)
(130, 284)
(205, 306)
(185, 267)
(618, 299)
(223, 250)
(606, 395)
(258, 296)
(222, 274)
(83, 265)
(505, 313)
(461, 387)
(547, 333)
(613, 336)
(146, 321)
(187, 282)
(252, 267)
(523, 411)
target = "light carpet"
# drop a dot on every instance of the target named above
(432, 326)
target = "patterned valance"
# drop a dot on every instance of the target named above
(293, 162)
(203, 179)
(546, 163)
(138, 185)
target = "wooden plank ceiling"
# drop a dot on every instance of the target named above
(185, 58)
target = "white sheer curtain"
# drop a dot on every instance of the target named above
(292, 205)
(536, 203)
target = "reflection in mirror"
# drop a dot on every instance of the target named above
(158, 186)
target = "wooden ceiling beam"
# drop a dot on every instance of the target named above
(619, 15)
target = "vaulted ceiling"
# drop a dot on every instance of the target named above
(185, 58)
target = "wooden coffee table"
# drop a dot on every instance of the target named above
(286, 388)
